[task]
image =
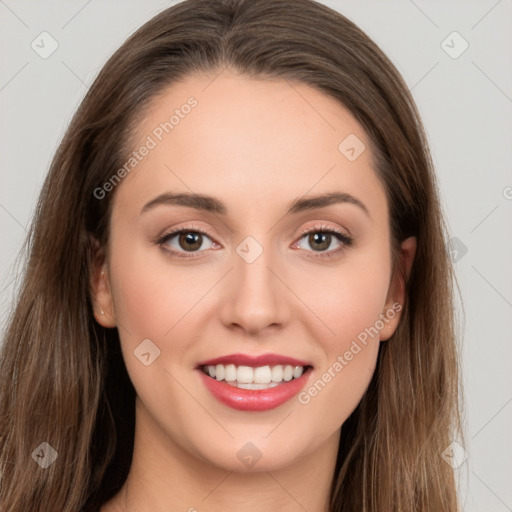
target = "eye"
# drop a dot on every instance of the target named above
(320, 238)
(191, 239)
(183, 240)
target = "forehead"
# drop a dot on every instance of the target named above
(239, 114)
(264, 138)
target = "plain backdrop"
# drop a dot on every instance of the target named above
(462, 84)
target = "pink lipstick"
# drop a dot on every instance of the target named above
(254, 383)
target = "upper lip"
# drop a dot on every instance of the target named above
(254, 361)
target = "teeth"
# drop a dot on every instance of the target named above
(219, 372)
(297, 372)
(252, 385)
(263, 375)
(288, 373)
(230, 372)
(247, 377)
(277, 373)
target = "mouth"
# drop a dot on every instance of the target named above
(255, 378)
(246, 383)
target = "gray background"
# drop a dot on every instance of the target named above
(466, 105)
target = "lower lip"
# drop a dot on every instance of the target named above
(254, 399)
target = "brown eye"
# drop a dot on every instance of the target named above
(320, 241)
(186, 240)
(190, 241)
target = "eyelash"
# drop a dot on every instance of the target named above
(346, 240)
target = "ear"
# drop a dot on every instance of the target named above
(99, 286)
(397, 290)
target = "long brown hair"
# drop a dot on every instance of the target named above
(64, 381)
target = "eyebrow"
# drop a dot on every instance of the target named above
(213, 205)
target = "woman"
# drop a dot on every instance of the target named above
(238, 291)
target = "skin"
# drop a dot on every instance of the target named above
(256, 145)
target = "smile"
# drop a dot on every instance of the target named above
(249, 387)
(261, 377)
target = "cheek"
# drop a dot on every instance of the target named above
(152, 305)
(149, 300)
(349, 302)
(350, 307)
(154, 301)
(350, 298)
(335, 390)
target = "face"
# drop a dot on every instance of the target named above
(260, 270)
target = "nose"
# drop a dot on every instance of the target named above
(255, 299)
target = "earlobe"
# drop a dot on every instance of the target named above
(100, 291)
(397, 290)
(102, 301)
